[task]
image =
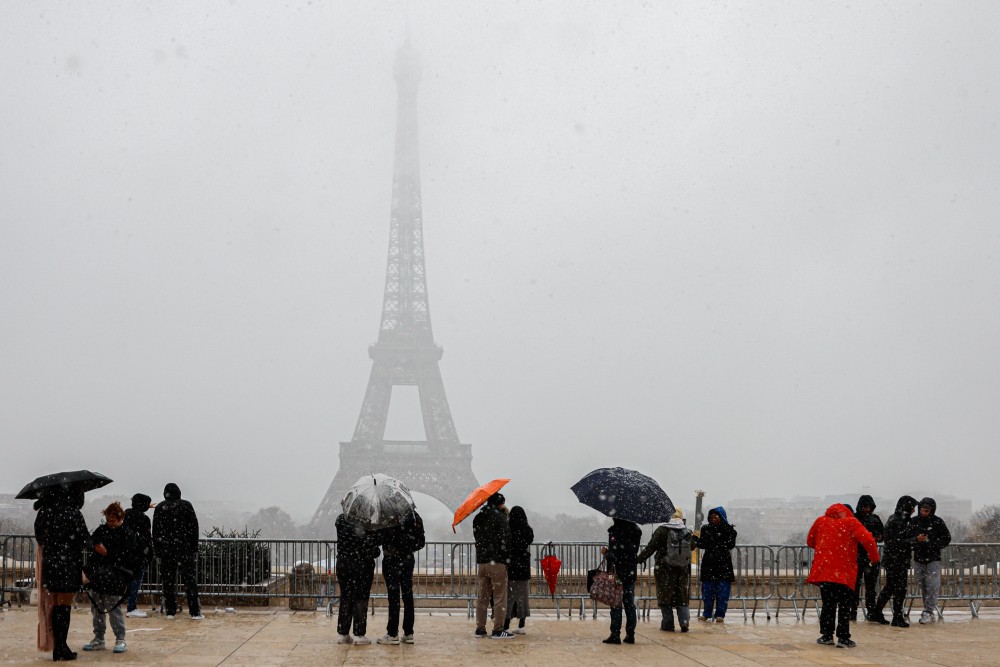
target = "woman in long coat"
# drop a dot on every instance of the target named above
(519, 570)
(62, 534)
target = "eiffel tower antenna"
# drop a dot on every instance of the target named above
(405, 354)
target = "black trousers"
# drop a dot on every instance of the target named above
(398, 574)
(169, 568)
(837, 602)
(870, 578)
(895, 587)
(355, 588)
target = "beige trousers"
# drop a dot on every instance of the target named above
(492, 580)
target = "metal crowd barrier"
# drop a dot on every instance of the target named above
(255, 571)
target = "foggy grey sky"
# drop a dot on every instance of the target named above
(745, 247)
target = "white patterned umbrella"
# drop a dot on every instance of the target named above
(378, 501)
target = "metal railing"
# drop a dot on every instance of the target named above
(255, 572)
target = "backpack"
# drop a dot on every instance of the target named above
(678, 550)
(416, 533)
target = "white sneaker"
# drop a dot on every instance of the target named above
(407, 639)
(362, 641)
(170, 617)
(926, 618)
(137, 613)
(198, 617)
(344, 639)
(388, 639)
(519, 631)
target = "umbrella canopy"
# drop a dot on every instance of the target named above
(624, 494)
(83, 479)
(476, 499)
(550, 568)
(378, 501)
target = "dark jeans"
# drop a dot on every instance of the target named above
(870, 578)
(355, 587)
(186, 567)
(133, 589)
(895, 587)
(715, 597)
(628, 602)
(398, 574)
(837, 602)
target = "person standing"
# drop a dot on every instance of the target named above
(398, 546)
(357, 549)
(624, 538)
(137, 521)
(834, 537)
(110, 570)
(175, 542)
(61, 532)
(896, 561)
(519, 572)
(865, 513)
(491, 530)
(930, 535)
(671, 543)
(718, 539)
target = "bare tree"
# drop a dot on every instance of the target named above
(986, 524)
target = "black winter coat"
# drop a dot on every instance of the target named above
(62, 531)
(357, 547)
(402, 540)
(717, 559)
(175, 530)
(114, 572)
(872, 523)
(491, 531)
(521, 538)
(898, 548)
(139, 523)
(938, 535)
(624, 538)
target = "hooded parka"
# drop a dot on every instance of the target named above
(835, 537)
(175, 526)
(933, 526)
(718, 543)
(899, 535)
(872, 523)
(137, 521)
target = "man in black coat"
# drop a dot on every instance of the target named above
(137, 521)
(865, 513)
(718, 539)
(896, 561)
(175, 541)
(624, 538)
(491, 531)
(398, 545)
(930, 536)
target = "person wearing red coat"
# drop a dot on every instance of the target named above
(835, 537)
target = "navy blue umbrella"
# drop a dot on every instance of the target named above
(626, 494)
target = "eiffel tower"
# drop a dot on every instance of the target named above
(405, 354)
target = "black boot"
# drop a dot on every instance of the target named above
(899, 622)
(615, 638)
(60, 631)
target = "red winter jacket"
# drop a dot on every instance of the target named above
(835, 537)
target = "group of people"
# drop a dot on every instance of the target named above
(845, 542)
(118, 553)
(671, 546)
(846, 556)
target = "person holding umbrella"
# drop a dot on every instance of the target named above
(62, 534)
(357, 550)
(491, 531)
(624, 538)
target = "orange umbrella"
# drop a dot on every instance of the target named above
(476, 499)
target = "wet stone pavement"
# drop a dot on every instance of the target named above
(254, 637)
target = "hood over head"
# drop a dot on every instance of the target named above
(865, 501)
(929, 502)
(171, 492)
(905, 505)
(140, 501)
(839, 511)
(721, 511)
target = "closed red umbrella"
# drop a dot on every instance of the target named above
(550, 568)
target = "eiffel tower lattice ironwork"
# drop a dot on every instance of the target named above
(405, 354)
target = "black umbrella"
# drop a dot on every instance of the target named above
(83, 479)
(624, 494)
